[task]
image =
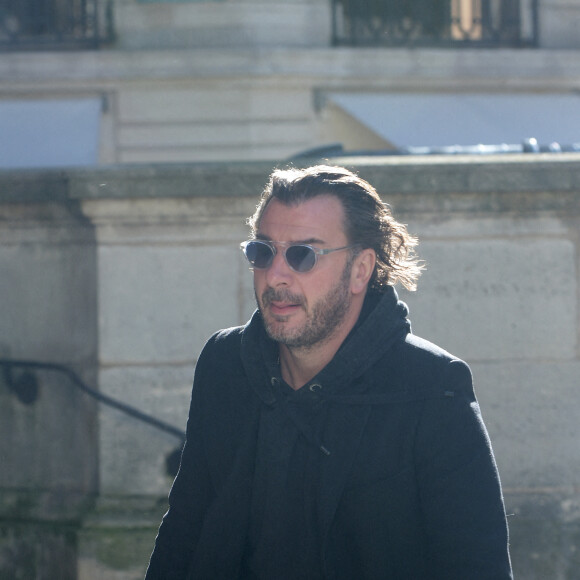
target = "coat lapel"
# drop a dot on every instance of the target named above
(345, 427)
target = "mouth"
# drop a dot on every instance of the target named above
(281, 304)
(283, 308)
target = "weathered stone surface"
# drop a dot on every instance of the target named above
(479, 284)
(157, 304)
(530, 407)
(133, 453)
(48, 447)
(544, 534)
(135, 267)
(116, 540)
(202, 25)
(38, 552)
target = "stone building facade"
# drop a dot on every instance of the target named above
(225, 80)
(119, 269)
(122, 273)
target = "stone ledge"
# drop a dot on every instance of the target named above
(518, 183)
(514, 66)
(55, 505)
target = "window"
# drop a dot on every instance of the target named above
(435, 22)
(34, 24)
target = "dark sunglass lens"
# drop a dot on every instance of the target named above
(300, 258)
(259, 254)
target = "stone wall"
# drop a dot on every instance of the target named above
(205, 105)
(222, 24)
(49, 442)
(152, 24)
(123, 273)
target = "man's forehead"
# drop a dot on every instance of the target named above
(316, 218)
(319, 207)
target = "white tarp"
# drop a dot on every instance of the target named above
(49, 133)
(441, 120)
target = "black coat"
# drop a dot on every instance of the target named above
(409, 489)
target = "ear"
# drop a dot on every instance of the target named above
(362, 270)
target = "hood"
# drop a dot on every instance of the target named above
(383, 320)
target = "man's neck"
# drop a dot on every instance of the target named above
(300, 365)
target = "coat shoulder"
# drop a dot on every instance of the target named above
(219, 361)
(419, 349)
(224, 343)
(418, 365)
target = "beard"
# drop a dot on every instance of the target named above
(325, 317)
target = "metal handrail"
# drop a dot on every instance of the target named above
(25, 388)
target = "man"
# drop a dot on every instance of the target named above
(324, 439)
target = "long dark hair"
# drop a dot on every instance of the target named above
(368, 220)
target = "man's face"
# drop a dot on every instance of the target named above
(301, 310)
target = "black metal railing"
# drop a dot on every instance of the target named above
(21, 379)
(494, 23)
(55, 24)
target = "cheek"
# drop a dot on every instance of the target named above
(321, 285)
(259, 280)
(260, 285)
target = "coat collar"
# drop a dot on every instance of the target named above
(383, 320)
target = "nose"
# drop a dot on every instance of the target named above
(279, 273)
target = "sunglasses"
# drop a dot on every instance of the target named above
(299, 257)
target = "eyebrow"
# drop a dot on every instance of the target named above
(307, 241)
